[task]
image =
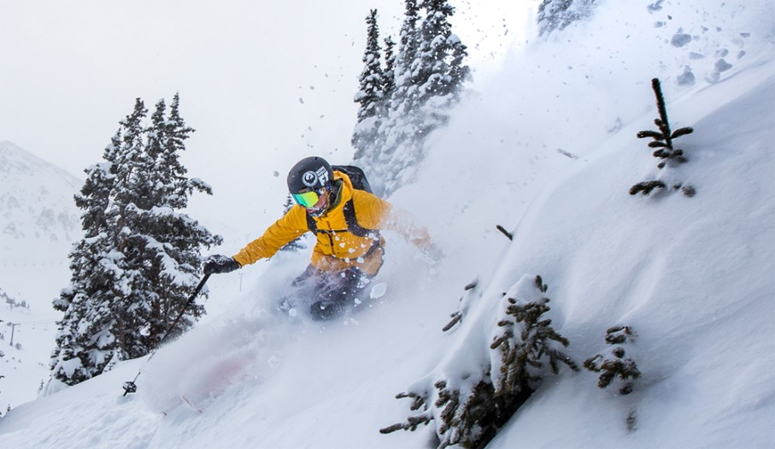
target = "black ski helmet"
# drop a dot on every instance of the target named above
(310, 173)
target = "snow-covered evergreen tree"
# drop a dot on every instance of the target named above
(428, 72)
(171, 240)
(470, 406)
(613, 363)
(665, 150)
(558, 14)
(137, 263)
(388, 74)
(439, 69)
(371, 95)
(84, 342)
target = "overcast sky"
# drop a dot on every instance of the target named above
(264, 83)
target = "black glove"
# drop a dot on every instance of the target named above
(220, 264)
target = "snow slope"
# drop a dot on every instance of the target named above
(38, 223)
(692, 276)
(35, 199)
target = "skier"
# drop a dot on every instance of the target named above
(350, 248)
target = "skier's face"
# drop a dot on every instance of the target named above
(314, 201)
(320, 205)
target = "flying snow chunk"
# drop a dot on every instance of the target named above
(680, 39)
(378, 291)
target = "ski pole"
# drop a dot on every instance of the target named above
(130, 386)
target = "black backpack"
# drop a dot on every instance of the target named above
(359, 181)
(356, 175)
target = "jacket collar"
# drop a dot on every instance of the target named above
(345, 194)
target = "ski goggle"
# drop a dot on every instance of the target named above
(307, 199)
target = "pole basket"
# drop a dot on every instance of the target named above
(129, 387)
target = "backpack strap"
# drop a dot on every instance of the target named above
(352, 223)
(311, 225)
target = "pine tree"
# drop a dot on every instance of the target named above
(428, 73)
(439, 49)
(469, 412)
(391, 129)
(131, 194)
(389, 74)
(613, 363)
(171, 239)
(371, 95)
(409, 43)
(134, 269)
(665, 150)
(526, 340)
(84, 343)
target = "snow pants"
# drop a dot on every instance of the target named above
(328, 294)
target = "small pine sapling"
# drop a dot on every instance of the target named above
(613, 364)
(470, 409)
(663, 139)
(525, 340)
(663, 142)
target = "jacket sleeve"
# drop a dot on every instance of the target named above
(375, 213)
(283, 231)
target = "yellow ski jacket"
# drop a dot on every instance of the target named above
(337, 248)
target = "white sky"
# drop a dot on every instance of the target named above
(273, 80)
(71, 69)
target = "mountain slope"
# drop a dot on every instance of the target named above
(692, 276)
(38, 223)
(36, 199)
(703, 322)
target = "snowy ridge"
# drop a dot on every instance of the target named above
(38, 223)
(36, 199)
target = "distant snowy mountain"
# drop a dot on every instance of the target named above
(36, 199)
(38, 223)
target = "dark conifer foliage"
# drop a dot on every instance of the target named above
(132, 272)
(646, 187)
(663, 142)
(614, 364)
(371, 95)
(439, 68)
(389, 74)
(527, 339)
(421, 81)
(663, 138)
(408, 45)
(470, 412)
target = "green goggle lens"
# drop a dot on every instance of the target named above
(306, 199)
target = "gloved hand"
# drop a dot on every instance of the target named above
(220, 264)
